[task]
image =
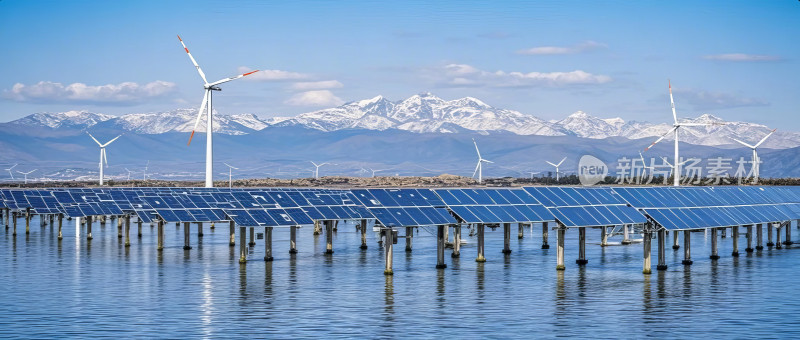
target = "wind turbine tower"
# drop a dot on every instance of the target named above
(103, 158)
(230, 174)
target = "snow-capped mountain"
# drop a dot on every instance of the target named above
(423, 113)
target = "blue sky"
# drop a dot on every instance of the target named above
(734, 59)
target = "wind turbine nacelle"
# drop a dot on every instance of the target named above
(215, 88)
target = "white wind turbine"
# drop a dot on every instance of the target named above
(645, 167)
(317, 166)
(479, 167)
(676, 126)
(11, 168)
(103, 157)
(129, 173)
(208, 109)
(374, 171)
(26, 174)
(230, 174)
(756, 160)
(556, 166)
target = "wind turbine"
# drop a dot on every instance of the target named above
(534, 173)
(645, 167)
(230, 174)
(676, 126)
(11, 168)
(557, 165)
(144, 174)
(26, 174)
(209, 109)
(756, 160)
(316, 171)
(479, 167)
(103, 157)
(129, 173)
(374, 171)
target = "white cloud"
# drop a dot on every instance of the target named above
(127, 93)
(741, 57)
(314, 98)
(585, 46)
(272, 75)
(317, 85)
(465, 75)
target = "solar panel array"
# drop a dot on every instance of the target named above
(404, 207)
(493, 206)
(586, 207)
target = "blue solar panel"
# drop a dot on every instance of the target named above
(241, 217)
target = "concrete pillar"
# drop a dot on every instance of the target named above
(520, 231)
(119, 228)
(199, 229)
(687, 248)
(646, 244)
(160, 232)
(480, 257)
(232, 241)
(242, 244)
(6, 217)
(662, 240)
(749, 248)
(759, 238)
(52, 216)
(545, 230)
(267, 244)
(675, 244)
(335, 226)
(456, 241)
(60, 223)
(14, 221)
(769, 235)
(788, 233)
(723, 232)
(252, 237)
(409, 237)
(88, 228)
(186, 236)
(506, 238)
(139, 228)
(28, 221)
(581, 247)
(714, 254)
(293, 239)
(317, 228)
(560, 233)
(363, 234)
(603, 236)
(102, 222)
(440, 235)
(625, 237)
(447, 243)
(328, 237)
(387, 251)
(127, 230)
(778, 243)
(735, 234)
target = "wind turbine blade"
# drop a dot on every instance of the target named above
(315, 164)
(232, 78)
(666, 161)
(661, 138)
(562, 161)
(199, 116)
(324, 163)
(105, 158)
(486, 160)
(95, 139)
(15, 164)
(672, 103)
(550, 163)
(111, 141)
(476, 169)
(194, 62)
(476, 149)
(765, 138)
(745, 144)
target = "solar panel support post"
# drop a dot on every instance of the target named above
(52, 219)
(560, 247)
(778, 236)
(60, 223)
(139, 227)
(625, 236)
(714, 254)
(735, 234)
(127, 230)
(662, 257)
(648, 238)
(387, 251)
(749, 248)
(89, 228)
(769, 235)
(119, 228)
(363, 227)
(582, 247)
(268, 244)
(252, 237)
(186, 236)
(14, 221)
(447, 243)
(328, 237)
(788, 233)
(603, 236)
(102, 221)
(675, 241)
(545, 231)
(317, 228)
(440, 235)
(759, 238)
(520, 233)
(232, 241)
(5, 215)
(199, 229)
(27, 220)
(687, 248)
(480, 257)
(722, 232)
(293, 239)
(242, 245)
(160, 232)
(456, 241)
(409, 237)
(506, 238)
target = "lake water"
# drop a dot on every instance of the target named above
(75, 288)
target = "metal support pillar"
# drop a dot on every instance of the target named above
(675, 244)
(545, 230)
(89, 228)
(14, 221)
(735, 234)
(456, 241)
(363, 234)
(603, 236)
(714, 254)
(560, 248)
(646, 244)
(440, 235)
(581, 247)
(127, 230)
(687, 248)
(778, 243)
(788, 233)
(662, 240)
(293, 239)
(387, 251)
(328, 237)
(506, 238)
(480, 257)
(268, 244)
(28, 221)
(625, 237)
(252, 237)
(749, 248)
(242, 244)
(232, 241)
(139, 227)
(409, 237)
(119, 228)
(186, 236)
(520, 231)
(769, 235)
(60, 223)
(160, 231)
(759, 238)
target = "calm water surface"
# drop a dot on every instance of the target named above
(75, 288)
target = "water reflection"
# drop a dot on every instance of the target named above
(480, 281)
(440, 289)
(388, 297)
